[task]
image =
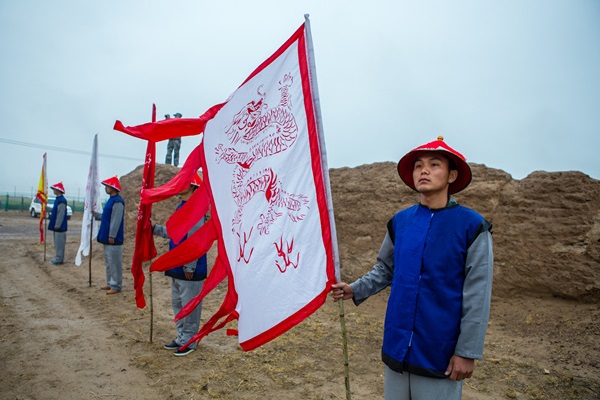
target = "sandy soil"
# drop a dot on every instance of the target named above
(61, 338)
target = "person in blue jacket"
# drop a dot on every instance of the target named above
(186, 282)
(112, 235)
(58, 223)
(437, 257)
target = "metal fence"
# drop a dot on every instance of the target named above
(23, 203)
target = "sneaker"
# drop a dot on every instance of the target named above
(54, 262)
(171, 346)
(185, 352)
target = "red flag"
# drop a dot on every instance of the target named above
(42, 196)
(145, 249)
(144, 241)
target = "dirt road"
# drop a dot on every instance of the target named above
(60, 338)
(53, 345)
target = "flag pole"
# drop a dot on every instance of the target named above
(149, 272)
(345, 349)
(45, 236)
(317, 107)
(90, 258)
(151, 308)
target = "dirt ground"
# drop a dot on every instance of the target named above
(62, 338)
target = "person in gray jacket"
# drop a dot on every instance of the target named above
(112, 235)
(186, 282)
(437, 257)
(58, 223)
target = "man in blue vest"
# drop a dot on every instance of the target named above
(437, 257)
(186, 283)
(111, 235)
(58, 223)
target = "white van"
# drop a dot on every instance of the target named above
(35, 208)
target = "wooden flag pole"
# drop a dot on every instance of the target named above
(317, 106)
(90, 258)
(151, 309)
(345, 349)
(150, 273)
(45, 237)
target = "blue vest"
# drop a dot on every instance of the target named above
(103, 232)
(52, 223)
(179, 273)
(423, 316)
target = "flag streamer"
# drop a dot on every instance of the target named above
(177, 184)
(189, 214)
(194, 247)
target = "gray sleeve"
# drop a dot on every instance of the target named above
(160, 230)
(477, 294)
(191, 267)
(380, 275)
(61, 214)
(115, 219)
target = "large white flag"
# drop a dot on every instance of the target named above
(265, 168)
(89, 226)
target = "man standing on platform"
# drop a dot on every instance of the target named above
(173, 145)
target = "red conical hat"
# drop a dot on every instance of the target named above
(59, 186)
(196, 180)
(406, 164)
(112, 182)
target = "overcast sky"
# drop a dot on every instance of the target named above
(511, 84)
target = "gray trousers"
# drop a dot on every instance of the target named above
(182, 291)
(60, 240)
(408, 386)
(113, 258)
(173, 146)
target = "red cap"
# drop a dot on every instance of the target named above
(196, 180)
(59, 186)
(406, 164)
(113, 183)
